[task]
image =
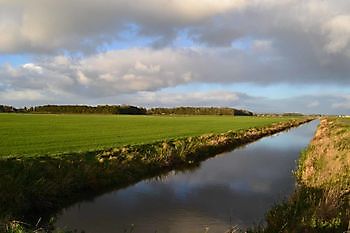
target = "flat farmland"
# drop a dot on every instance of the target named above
(49, 134)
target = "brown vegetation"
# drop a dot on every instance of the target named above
(321, 202)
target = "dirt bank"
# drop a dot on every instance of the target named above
(321, 201)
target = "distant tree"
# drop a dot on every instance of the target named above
(5, 108)
(84, 109)
(199, 111)
(292, 114)
(126, 109)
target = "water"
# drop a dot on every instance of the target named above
(233, 188)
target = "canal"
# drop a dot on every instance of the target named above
(235, 188)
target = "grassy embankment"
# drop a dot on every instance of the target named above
(321, 202)
(33, 184)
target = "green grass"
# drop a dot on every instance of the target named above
(34, 134)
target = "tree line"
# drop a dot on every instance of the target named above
(199, 111)
(5, 108)
(84, 109)
(78, 109)
(125, 109)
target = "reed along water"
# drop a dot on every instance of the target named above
(235, 188)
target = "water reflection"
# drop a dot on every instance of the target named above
(234, 188)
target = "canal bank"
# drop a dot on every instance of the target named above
(321, 201)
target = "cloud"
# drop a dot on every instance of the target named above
(310, 104)
(41, 26)
(144, 69)
(22, 95)
(338, 34)
(303, 40)
(343, 104)
(313, 104)
(33, 68)
(106, 74)
(196, 98)
(171, 97)
(261, 42)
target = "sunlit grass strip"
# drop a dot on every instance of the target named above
(193, 147)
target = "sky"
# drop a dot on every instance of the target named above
(260, 55)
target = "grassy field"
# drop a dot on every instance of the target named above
(30, 134)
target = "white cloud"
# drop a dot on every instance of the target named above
(32, 67)
(142, 69)
(338, 33)
(105, 74)
(82, 79)
(151, 69)
(21, 95)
